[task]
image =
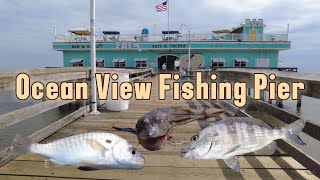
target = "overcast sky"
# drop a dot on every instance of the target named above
(26, 26)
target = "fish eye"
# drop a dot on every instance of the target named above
(194, 138)
(133, 151)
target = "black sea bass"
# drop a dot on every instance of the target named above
(89, 151)
(239, 135)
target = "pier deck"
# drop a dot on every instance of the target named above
(163, 164)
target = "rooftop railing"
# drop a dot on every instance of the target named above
(173, 37)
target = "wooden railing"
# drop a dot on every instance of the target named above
(45, 75)
(311, 129)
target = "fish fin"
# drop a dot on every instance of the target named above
(130, 130)
(177, 120)
(181, 108)
(186, 115)
(233, 163)
(292, 131)
(267, 150)
(208, 113)
(20, 145)
(49, 163)
(95, 145)
(90, 163)
(248, 120)
(87, 168)
(231, 150)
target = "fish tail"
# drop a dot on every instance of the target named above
(130, 130)
(292, 130)
(20, 145)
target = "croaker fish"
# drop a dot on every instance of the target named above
(239, 135)
(89, 151)
(153, 129)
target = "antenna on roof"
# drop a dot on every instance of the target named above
(55, 32)
(288, 31)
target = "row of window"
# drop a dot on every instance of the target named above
(142, 63)
(119, 63)
(236, 64)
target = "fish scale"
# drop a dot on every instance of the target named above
(95, 150)
(239, 135)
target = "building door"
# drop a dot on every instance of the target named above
(253, 35)
(168, 60)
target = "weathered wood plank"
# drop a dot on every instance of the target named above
(311, 80)
(9, 84)
(311, 129)
(37, 169)
(41, 71)
(163, 164)
(47, 131)
(158, 160)
(29, 111)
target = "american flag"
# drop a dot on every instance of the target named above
(161, 7)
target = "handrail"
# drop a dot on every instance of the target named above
(14, 117)
(45, 75)
(174, 37)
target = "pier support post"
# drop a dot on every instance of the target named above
(279, 103)
(262, 96)
(299, 100)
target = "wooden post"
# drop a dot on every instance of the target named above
(279, 103)
(44, 97)
(262, 96)
(299, 100)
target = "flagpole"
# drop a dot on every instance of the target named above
(168, 19)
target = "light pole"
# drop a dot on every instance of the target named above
(93, 57)
(189, 48)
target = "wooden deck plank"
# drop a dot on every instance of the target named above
(163, 164)
(36, 169)
(157, 160)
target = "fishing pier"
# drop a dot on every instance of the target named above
(289, 161)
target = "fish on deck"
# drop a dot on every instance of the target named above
(154, 128)
(237, 136)
(89, 151)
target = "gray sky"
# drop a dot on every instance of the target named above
(26, 26)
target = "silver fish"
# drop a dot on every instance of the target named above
(89, 151)
(239, 135)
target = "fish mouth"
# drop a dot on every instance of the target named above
(153, 144)
(191, 154)
(139, 164)
(150, 135)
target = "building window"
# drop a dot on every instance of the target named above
(240, 62)
(76, 62)
(141, 63)
(100, 62)
(262, 62)
(218, 62)
(119, 63)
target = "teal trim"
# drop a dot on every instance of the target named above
(152, 56)
(152, 51)
(160, 46)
